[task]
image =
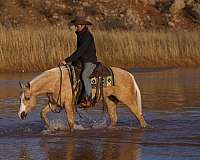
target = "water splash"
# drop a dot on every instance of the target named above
(86, 120)
(78, 127)
(57, 125)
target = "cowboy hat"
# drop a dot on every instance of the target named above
(79, 20)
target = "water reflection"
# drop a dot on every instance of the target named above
(92, 147)
(24, 153)
(107, 145)
(169, 89)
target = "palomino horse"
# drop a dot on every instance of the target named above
(55, 83)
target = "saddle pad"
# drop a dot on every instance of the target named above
(107, 81)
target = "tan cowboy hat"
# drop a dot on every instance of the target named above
(79, 20)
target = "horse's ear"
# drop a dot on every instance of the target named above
(22, 85)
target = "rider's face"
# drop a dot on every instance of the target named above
(79, 28)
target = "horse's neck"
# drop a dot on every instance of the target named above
(45, 82)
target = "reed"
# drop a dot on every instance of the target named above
(35, 49)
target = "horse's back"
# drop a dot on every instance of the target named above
(122, 76)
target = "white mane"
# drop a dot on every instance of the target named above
(42, 75)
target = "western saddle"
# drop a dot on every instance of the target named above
(102, 76)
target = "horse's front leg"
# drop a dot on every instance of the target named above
(70, 115)
(43, 115)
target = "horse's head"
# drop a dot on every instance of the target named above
(27, 101)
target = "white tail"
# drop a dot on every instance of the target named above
(138, 94)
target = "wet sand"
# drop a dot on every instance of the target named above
(171, 105)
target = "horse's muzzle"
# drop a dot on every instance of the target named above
(23, 115)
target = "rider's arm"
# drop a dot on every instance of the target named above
(80, 51)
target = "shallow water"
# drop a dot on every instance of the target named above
(171, 105)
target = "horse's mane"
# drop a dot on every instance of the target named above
(45, 74)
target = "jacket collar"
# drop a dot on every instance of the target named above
(83, 31)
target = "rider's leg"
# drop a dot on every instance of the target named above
(87, 71)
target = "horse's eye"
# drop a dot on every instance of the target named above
(27, 98)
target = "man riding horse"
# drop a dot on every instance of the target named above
(125, 89)
(85, 53)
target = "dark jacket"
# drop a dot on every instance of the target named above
(86, 51)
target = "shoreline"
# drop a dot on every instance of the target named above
(131, 69)
(30, 50)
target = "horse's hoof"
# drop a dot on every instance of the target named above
(147, 126)
(71, 130)
(45, 131)
(112, 126)
(46, 127)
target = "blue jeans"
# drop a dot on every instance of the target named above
(87, 71)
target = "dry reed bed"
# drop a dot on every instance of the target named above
(31, 49)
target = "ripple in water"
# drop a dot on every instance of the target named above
(84, 120)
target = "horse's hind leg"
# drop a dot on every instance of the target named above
(136, 111)
(134, 108)
(111, 105)
(43, 115)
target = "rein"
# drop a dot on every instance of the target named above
(59, 94)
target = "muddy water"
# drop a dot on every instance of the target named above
(171, 105)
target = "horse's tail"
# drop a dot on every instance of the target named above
(137, 93)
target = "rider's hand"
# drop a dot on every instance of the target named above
(62, 63)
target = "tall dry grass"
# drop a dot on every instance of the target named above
(31, 49)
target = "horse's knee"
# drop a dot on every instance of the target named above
(43, 115)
